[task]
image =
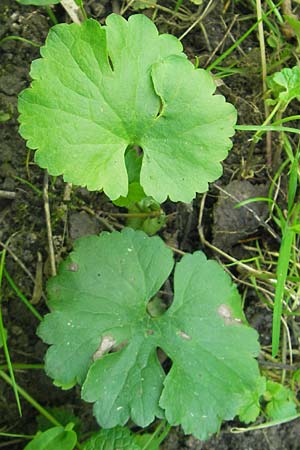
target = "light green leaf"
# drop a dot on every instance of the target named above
(116, 438)
(251, 409)
(285, 85)
(281, 401)
(99, 90)
(99, 303)
(57, 438)
(38, 2)
(295, 228)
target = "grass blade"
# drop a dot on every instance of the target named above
(22, 296)
(3, 337)
(282, 271)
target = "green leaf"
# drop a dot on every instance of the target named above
(99, 303)
(295, 228)
(285, 85)
(57, 438)
(38, 2)
(99, 90)
(116, 438)
(281, 401)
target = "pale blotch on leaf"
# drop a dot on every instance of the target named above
(225, 313)
(106, 344)
(73, 267)
(184, 335)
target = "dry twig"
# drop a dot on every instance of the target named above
(8, 195)
(48, 224)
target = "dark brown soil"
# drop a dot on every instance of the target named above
(22, 219)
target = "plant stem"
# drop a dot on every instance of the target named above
(18, 38)
(261, 426)
(20, 366)
(13, 435)
(51, 15)
(262, 47)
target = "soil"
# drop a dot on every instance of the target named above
(22, 221)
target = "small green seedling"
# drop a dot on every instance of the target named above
(103, 337)
(284, 86)
(99, 90)
(281, 401)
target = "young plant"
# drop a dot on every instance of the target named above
(99, 94)
(98, 90)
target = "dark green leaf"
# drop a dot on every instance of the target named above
(101, 333)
